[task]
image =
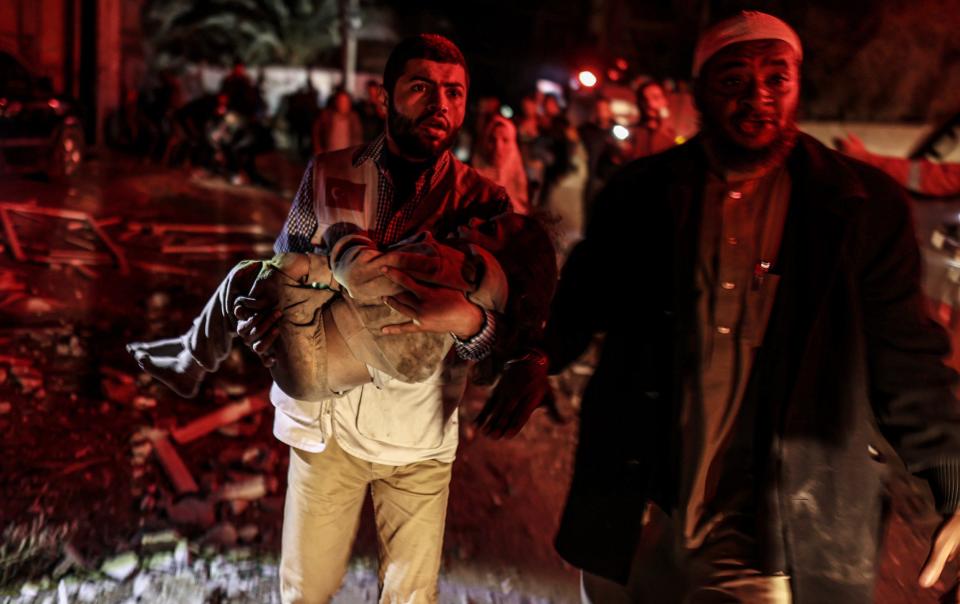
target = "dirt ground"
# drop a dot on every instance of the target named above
(82, 486)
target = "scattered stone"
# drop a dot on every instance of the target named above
(235, 390)
(192, 511)
(260, 458)
(230, 456)
(176, 470)
(148, 503)
(65, 590)
(118, 391)
(159, 541)
(237, 506)
(29, 378)
(71, 559)
(141, 585)
(271, 505)
(70, 550)
(88, 592)
(5, 407)
(30, 589)
(143, 403)
(224, 416)
(240, 553)
(250, 489)
(120, 568)
(158, 302)
(161, 561)
(140, 447)
(253, 455)
(248, 532)
(38, 305)
(223, 535)
(181, 555)
(244, 428)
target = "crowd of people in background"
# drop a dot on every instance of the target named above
(548, 150)
(541, 150)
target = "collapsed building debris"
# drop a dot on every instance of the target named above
(223, 416)
(172, 464)
(86, 256)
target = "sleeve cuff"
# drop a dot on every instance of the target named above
(479, 346)
(944, 479)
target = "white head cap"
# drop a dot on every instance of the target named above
(745, 27)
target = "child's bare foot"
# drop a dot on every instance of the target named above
(171, 363)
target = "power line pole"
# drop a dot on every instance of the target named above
(349, 25)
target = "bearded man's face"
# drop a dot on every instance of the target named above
(425, 110)
(747, 95)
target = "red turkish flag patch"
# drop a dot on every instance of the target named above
(344, 194)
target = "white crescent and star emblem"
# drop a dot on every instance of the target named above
(344, 194)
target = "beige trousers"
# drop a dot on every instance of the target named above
(325, 493)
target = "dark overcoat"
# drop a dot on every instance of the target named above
(850, 364)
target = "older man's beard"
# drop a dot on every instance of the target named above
(742, 159)
(403, 132)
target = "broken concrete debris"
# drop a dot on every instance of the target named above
(121, 567)
(22, 251)
(192, 511)
(248, 533)
(172, 464)
(159, 541)
(249, 489)
(223, 416)
(222, 535)
(144, 402)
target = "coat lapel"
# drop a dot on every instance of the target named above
(824, 196)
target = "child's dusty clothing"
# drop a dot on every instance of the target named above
(328, 340)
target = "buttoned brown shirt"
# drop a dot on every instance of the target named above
(743, 218)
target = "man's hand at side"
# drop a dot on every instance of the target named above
(945, 544)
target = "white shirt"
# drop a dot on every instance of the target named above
(388, 422)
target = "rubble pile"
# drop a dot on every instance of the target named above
(99, 462)
(161, 495)
(117, 491)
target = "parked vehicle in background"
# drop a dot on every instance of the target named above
(937, 218)
(938, 223)
(40, 131)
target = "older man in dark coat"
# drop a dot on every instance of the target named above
(773, 355)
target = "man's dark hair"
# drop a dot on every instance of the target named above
(339, 90)
(432, 47)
